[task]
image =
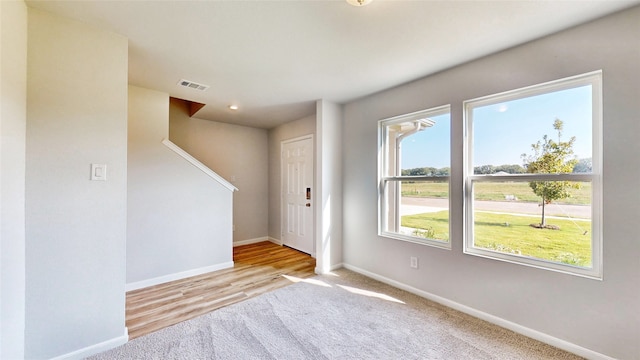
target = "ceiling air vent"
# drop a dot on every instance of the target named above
(193, 85)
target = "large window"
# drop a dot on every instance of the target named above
(414, 166)
(533, 176)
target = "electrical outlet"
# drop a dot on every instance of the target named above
(413, 262)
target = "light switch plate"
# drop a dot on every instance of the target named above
(99, 172)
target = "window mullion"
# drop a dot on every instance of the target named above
(417, 178)
(532, 177)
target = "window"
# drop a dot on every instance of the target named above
(414, 166)
(532, 175)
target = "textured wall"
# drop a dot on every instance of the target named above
(237, 153)
(75, 228)
(602, 316)
(13, 119)
(179, 219)
(329, 200)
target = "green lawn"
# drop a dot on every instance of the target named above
(437, 221)
(426, 189)
(494, 191)
(512, 234)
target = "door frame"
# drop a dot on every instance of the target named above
(313, 196)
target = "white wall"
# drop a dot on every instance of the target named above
(329, 167)
(290, 130)
(179, 218)
(598, 316)
(13, 119)
(75, 228)
(240, 155)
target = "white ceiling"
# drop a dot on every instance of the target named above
(276, 58)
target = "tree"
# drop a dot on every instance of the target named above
(551, 157)
(484, 169)
(510, 169)
(583, 166)
(425, 171)
(445, 171)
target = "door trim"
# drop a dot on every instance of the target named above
(282, 183)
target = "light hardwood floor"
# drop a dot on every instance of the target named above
(258, 268)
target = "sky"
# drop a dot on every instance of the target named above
(430, 147)
(502, 132)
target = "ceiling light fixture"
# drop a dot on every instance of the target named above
(233, 107)
(359, 2)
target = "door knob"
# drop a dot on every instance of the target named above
(308, 205)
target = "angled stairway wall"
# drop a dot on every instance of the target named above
(179, 220)
(239, 154)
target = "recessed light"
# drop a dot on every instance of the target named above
(233, 107)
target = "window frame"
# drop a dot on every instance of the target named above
(384, 180)
(595, 177)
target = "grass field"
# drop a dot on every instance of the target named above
(512, 234)
(437, 221)
(439, 190)
(494, 191)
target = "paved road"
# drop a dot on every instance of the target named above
(415, 205)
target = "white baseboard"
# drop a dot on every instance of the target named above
(96, 349)
(319, 271)
(177, 276)
(534, 334)
(257, 240)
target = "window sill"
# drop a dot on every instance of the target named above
(416, 240)
(590, 273)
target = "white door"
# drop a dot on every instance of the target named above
(297, 193)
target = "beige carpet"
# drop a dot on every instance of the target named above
(341, 316)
